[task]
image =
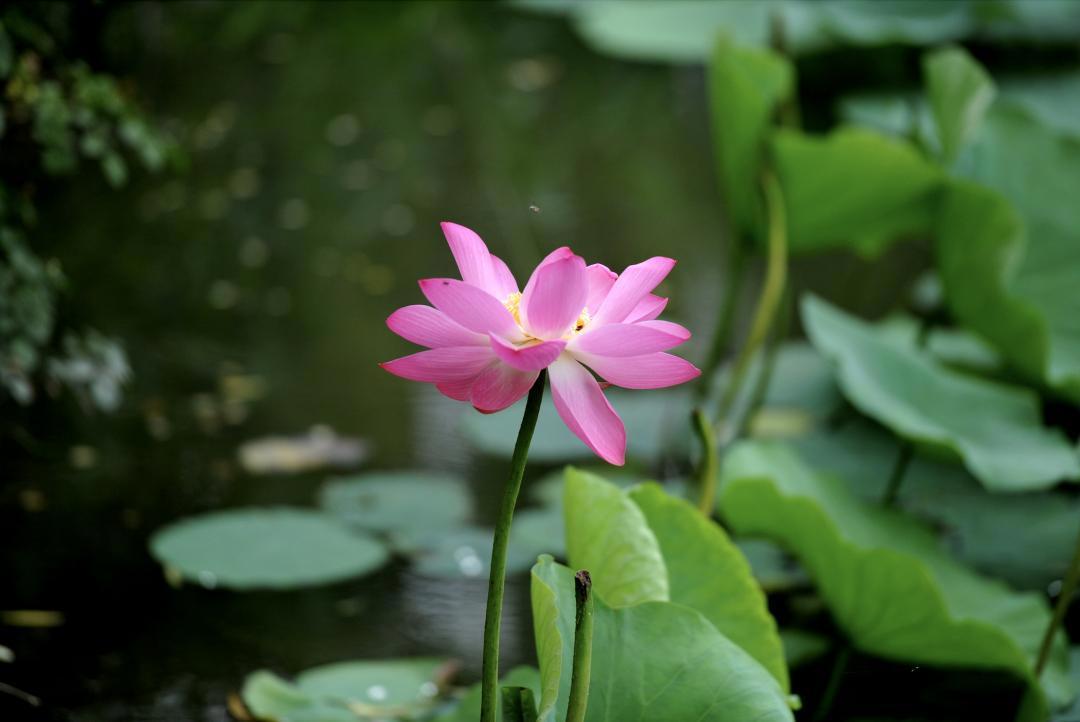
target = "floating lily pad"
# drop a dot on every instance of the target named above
(889, 586)
(468, 709)
(466, 551)
(648, 416)
(347, 691)
(682, 668)
(398, 500)
(271, 548)
(995, 429)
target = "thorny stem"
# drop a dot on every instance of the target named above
(582, 669)
(489, 692)
(710, 461)
(772, 291)
(1068, 588)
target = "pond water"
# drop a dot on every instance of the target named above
(325, 142)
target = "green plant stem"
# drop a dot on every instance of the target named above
(761, 384)
(734, 275)
(840, 664)
(518, 705)
(899, 470)
(710, 462)
(1068, 588)
(582, 670)
(489, 691)
(772, 291)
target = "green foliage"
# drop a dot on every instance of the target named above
(1008, 251)
(681, 666)
(347, 691)
(55, 111)
(746, 88)
(887, 583)
(264, 549)
(707, 572)
(644, 545)
(960, 92)
(853, 188)
(607, 534)
(994, 428)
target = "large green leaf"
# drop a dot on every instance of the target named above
(1053, 100)
(888, 584)
(1043, 526)
(1011, 269)
(650, 661)
(854, 188)
(684, 31)
(648, 417)
(347, 691)
(607, 534)
(275, 548)
(995, 429)
(745, 87)
(707, 572)
(959, 91)
(392, 501)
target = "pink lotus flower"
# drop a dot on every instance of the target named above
(487, 341)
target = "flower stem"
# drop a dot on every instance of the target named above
(772, 291)
(896, 478)
(840, 663)
(582, 670)
(710, 461)
(734, 275)
(489, 697)
(1068, 588)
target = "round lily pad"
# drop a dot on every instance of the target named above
(395, 501)
(267, 548)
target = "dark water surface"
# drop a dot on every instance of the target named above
(326, 141)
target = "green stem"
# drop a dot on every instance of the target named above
(518, 705)
(761, 385)
(710, 461)
(840, 664)
(772, 291)
(896, 478)
(734, 275)
(583, 630)
(1068, 588)
(489, 697)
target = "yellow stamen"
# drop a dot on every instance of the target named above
(513, 305)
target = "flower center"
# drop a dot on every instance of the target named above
(513, 305)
